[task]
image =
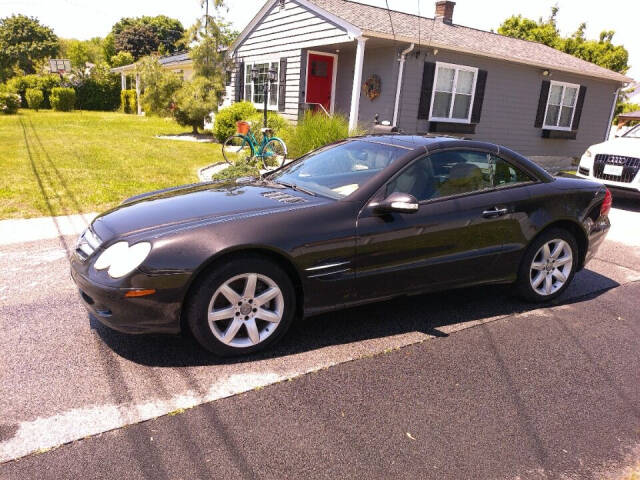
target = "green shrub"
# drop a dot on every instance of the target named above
(63, 99)
(35, 97)
(128, 102)
(9, 102)
(45, 83)
(225, 124)
(195, 100)
(98, 91)
(275, 122)
(314, 131)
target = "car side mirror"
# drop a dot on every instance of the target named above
(397, 202)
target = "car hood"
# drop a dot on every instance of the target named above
(194, 204)
(629, 147)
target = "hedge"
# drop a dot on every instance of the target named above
(45, 83)
(98, 94)
(128, 102)
(63, 99)
(35, 98)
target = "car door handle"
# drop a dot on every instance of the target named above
(495, 212)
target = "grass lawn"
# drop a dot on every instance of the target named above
(56, 163)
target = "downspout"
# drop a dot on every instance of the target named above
(403, 57)
(613, 110)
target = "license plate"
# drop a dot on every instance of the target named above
(613, 170)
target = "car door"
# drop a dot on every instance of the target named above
(454, 238)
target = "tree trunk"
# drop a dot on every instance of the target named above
(195, 129)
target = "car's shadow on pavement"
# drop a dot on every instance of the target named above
(423, 313)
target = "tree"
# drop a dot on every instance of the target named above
(82, 51)
(138, 40)
(159, 86)
(121, 58)
(195, 100)
(167, 32)
(24, 42)
(602, 52)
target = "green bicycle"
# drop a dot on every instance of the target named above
(243, 146)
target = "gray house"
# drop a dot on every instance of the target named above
(424, 75)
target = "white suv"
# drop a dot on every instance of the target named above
(616, 163)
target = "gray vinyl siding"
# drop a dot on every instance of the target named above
(284, 34)
(510, 105)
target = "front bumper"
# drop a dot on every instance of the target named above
(585, 170)
(156, 313)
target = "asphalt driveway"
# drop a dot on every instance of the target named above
(65, 377)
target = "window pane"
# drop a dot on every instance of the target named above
(247, 92)
(273, 94)
(441, 105)
(565, 116)
(465, 82)
(569, 99)
(555, 95)
(461, 106)
(444, 82)
(552, 116)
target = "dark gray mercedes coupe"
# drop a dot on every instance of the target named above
(362, 220)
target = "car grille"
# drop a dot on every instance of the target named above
(283, 197)
(87, 244)
(583, 171)
(631, 166)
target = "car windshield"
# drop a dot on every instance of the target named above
(633, 133)
(337, 171)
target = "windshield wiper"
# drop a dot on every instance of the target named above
(297, 188)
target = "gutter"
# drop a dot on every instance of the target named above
(403, 57)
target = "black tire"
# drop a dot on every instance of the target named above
(527, 276)
(199, 301)
(237, 149)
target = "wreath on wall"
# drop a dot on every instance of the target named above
(372, 87)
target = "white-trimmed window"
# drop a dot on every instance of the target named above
(254, 91)
(561, 105)
(453, 93)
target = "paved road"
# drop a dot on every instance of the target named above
(65, 377)
(553, 393)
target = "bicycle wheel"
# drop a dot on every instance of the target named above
(237, 149)
(274, 153)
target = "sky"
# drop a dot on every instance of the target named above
(84, 19)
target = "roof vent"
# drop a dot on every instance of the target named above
(444, 11)
(283, 197)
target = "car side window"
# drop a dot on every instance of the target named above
(455, 172)
(506, 174)
(443, 174)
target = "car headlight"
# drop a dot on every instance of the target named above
(121, 259)
(588, 153)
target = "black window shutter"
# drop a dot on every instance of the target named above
(481, 83)
(239, 81)
(428, 73)
(579, 104)
(542, 103)
(282, 88)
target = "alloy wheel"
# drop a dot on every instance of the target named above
(245, 310)
(551, 267)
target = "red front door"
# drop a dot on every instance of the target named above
(320, 80)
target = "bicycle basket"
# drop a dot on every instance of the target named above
(243, 127)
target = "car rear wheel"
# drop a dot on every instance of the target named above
(242, 307)
(548, 266)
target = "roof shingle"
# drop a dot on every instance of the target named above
(376, 21)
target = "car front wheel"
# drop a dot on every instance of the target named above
(242, 307)
(548, 266)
